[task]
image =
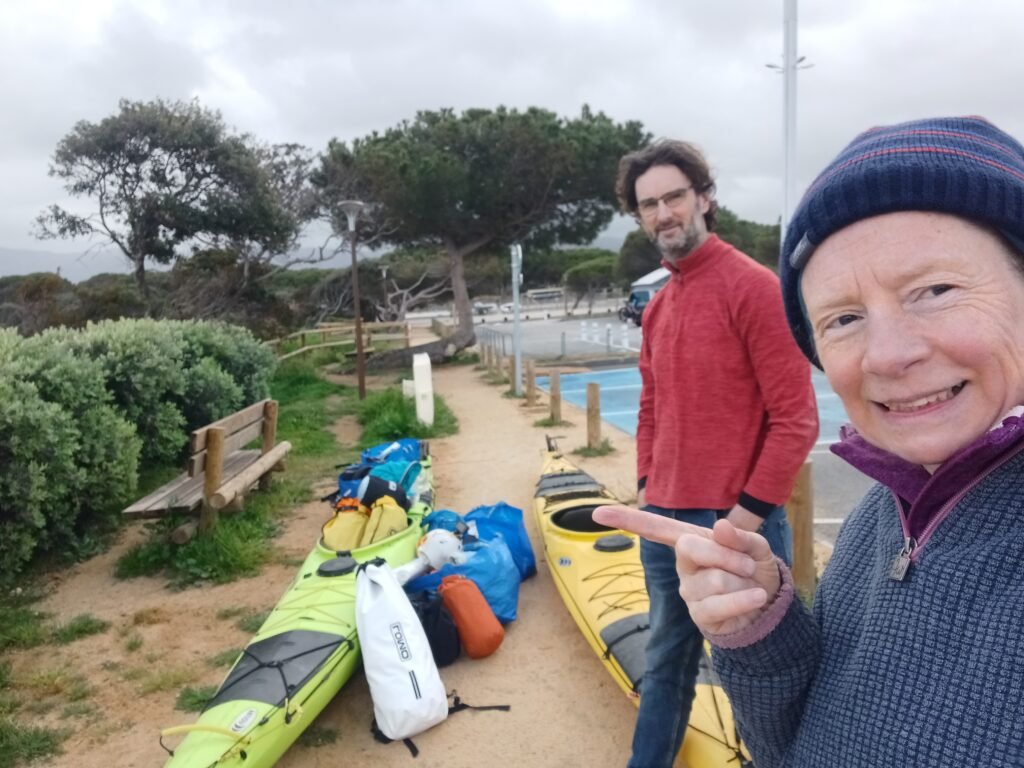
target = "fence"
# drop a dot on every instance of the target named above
(338, 334)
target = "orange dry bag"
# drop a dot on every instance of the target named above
(479, 631)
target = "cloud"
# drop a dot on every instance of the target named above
(309, 71)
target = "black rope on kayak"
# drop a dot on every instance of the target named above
(635, 630)
(279, 663)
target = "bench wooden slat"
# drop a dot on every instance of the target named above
(197, 463)
(230, 424)
(184, 493)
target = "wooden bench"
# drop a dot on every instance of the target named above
(220, 469)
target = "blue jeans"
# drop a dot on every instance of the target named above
(674, 645)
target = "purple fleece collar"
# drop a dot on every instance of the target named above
(926, 493)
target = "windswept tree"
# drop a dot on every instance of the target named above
(481, 180)
(637, 256)
(592, 274)
(162, 176)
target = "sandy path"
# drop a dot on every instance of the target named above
(565, 708)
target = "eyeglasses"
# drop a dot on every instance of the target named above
(672, 200)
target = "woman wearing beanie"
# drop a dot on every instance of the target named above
(903, 278)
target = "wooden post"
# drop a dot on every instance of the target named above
(556, 398)
(269, 437)
(800, 510)
(302, 340)
(510, 363)
(593, 415)
(213, 475)
(531, 383)
(408, 340)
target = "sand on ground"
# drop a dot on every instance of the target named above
(565, 709)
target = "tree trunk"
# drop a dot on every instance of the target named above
(140, 275)
(463, 310)
(440, 351)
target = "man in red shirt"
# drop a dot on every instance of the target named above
(727, 412)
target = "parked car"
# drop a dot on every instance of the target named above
(508, 307)
(484, 307)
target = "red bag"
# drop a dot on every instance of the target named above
(480, 632)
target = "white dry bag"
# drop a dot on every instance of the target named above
(407, 692)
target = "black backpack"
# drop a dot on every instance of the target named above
(438, 624)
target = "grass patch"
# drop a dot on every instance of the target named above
(20, 625)
(230, 613)
(318, 736)
(149, 616)
(53, 682)
(464, 357)
(224, 658)
(549, 422)
(166, 680)
(602, 449)
(252, 621)
(495, 379)
(81, 626)
(388, 415)
(133, 643)
(20, 744)
(78, 709)
(9, 703)
(194, 699)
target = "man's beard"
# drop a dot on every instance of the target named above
(681, 245)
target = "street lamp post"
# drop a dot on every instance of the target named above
(351, 209)
(790, 64)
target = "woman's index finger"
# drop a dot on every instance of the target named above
(650, 526)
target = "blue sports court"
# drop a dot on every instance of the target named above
(620, 399)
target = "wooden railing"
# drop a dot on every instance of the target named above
(337, 334)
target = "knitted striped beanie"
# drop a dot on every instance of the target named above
(958, 165)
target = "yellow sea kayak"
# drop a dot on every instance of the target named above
(599, 575)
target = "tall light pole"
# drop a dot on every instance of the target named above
(352, 209)
(790, 64)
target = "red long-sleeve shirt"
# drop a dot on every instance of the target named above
(727, 410)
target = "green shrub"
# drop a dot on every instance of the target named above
(38, 473)
(108, 448)
(142, 362)
(210, 394)
(236, 351)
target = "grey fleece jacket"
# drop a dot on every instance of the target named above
(927, 671)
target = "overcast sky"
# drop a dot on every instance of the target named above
(309, 70)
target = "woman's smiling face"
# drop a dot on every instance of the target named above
(918, 320)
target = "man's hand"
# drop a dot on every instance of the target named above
(727, 575)
(744, 518)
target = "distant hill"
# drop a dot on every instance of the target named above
(77, 266)
(74, 266)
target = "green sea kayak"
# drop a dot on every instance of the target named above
(306, 650)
